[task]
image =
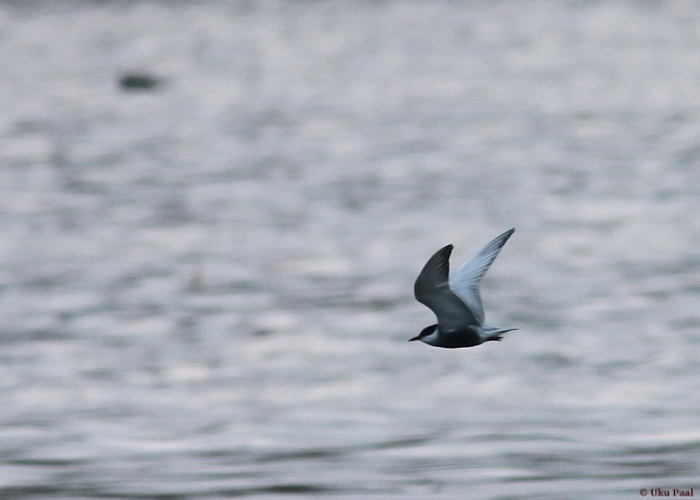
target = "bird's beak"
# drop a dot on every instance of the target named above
(414, 338)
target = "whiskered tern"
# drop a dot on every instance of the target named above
(456, 300)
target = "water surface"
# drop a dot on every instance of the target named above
(206, 288)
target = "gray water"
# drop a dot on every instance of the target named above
(206, 288)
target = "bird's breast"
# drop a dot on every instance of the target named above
(465, 337)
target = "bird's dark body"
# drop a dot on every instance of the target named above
(467, 337)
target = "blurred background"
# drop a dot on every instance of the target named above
(212, 215)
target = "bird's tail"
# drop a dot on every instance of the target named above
(495, 333)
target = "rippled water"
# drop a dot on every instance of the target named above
(206, 288)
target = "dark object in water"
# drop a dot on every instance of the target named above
(138, 81)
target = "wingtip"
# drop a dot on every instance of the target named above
(445, 251)
(506, 235)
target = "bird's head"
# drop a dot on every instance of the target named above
(428, 330)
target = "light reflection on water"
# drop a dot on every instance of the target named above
(206, 289)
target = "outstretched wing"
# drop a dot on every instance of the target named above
(465, 282)
(432, 288)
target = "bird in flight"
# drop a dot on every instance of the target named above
(456, 300)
